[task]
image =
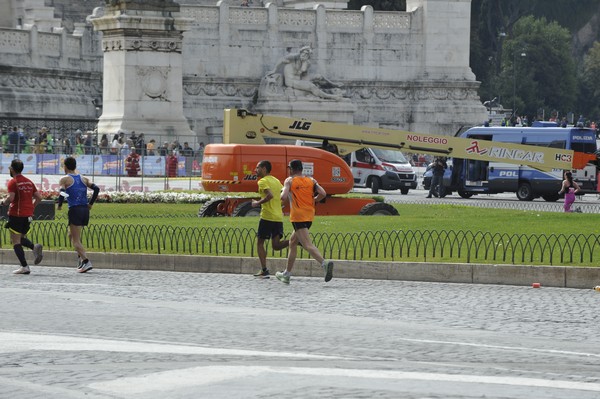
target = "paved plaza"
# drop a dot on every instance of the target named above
(142, 334)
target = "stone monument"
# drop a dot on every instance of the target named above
(142, 41)
(292, 89)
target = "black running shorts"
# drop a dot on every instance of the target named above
(301, 225)
(18, 224)
(268, 229)
(79, 215)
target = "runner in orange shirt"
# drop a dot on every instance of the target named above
(300, 190)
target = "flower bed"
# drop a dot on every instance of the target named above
(128, 197)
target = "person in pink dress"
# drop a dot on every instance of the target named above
(570, 188)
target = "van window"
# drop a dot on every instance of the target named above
(390, 156)
(588, 148)
(562, 144)
(363, 155)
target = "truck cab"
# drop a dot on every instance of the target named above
(381, 169)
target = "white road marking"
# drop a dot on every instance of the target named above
(21, 342)
(198, 376)
(510, 348)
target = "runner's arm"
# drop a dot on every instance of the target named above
(286, 189)
(96, 190)
(320, 192)
(9, 199)
(37, 198)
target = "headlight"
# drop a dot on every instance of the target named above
(389, 168)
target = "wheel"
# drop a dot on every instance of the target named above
(209, 209)
(551, 197)
(525, 192)
(404, 191)
(246, 209)
(426, 183)
(378, 209)
(375, 185)
(465, 194)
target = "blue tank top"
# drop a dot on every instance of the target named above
(77, 192)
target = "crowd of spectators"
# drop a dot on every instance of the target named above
(14, 140)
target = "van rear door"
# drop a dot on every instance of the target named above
(504, 177)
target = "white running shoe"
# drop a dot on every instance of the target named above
(22, 270)
(37, 252)
(85, 267)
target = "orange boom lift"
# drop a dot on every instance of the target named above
(248, 138)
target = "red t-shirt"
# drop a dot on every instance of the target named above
(22, 204)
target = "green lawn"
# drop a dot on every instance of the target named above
(412, 217)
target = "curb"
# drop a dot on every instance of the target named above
(548, 276)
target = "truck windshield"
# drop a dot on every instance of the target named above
(390, 156)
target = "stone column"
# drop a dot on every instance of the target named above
(143, 86)
(446, 37)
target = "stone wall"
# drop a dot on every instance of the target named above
(54, 75)
(405, 70)
(388, 63)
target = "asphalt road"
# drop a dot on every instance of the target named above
(134, 334)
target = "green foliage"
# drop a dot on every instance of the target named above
(591, 78)
(548, 82)
(545, 77)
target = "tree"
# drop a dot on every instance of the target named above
(538, 69)
(590, 83)
(493, 23)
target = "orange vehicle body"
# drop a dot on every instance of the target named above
(230, 168)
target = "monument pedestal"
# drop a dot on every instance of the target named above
(320, 110)
(142, 44)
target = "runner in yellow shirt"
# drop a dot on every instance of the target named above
(270, 225)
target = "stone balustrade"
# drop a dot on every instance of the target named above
(34, 49)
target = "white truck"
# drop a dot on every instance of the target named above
(377, 169)
(381, 169)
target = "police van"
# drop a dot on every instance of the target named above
(470, 177)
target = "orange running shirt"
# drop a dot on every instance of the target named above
(302, 206)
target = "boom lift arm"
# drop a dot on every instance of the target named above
(243, 127)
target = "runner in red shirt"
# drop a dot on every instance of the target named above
(23, 197)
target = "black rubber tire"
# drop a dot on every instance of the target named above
(551, 197)
(375, 185)
(404, 191)
(525, 192)
(378, 209)
(465, 194)
(245, 209)
(209, 209)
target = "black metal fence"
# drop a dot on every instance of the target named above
(397, 245)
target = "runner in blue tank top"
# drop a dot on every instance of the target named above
(74, 188)
(77, 192)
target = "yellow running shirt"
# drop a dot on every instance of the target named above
(271, 210)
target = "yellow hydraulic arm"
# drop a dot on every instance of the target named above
(243, 127)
